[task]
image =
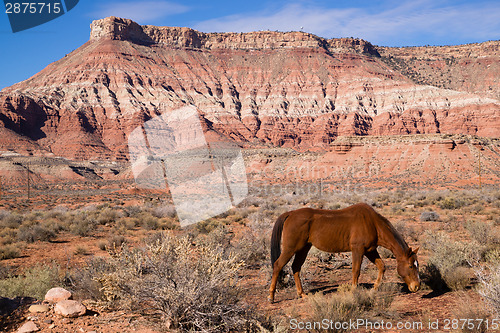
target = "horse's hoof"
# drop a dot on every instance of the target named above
(271, 300)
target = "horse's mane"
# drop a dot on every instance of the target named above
(397, 235)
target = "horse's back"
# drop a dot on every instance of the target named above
(334, 230)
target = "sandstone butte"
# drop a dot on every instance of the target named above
(260, 89)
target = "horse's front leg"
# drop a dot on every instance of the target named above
(357, 259)
(374, 257)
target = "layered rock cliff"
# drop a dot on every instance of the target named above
(285, 89)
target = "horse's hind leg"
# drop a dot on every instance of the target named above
(298, 261)
(282, 260)
(374, 257)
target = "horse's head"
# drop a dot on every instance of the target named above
(408, 269)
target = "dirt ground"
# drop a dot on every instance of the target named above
(433, 311)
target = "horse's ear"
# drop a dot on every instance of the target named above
(416, 250)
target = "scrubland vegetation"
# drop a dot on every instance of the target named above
(195, 279)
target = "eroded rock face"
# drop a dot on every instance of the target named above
(288, 89)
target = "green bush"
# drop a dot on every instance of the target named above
(34, 282)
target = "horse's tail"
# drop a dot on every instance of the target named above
(276, 238)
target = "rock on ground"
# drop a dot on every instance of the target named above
(38, 308)
(57, 294)
(29, 326)
(70, 308)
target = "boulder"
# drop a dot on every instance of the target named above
(57, 294)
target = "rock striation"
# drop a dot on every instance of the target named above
(287, 89)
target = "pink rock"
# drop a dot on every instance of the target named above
(57, 294)
(28, 327)
(70, 308)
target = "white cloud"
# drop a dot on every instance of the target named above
(140, 11)
(414, 22)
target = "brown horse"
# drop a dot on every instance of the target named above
(358, 228)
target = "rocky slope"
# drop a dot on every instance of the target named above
(285, 89)
(472, 68)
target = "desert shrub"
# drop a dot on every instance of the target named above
(115, 242)
(492, 256)
(132, 211)
(81, 250)
(432, 277)
(205, 227)
(406, 230)
(451, 203)
(53, 224)
(253, 249)
(9, 252)
(82, 225)
(149, 222)
(33, 233)
(482, 232)
(449, 261)
(84, 279)
(254, 246)
(397, 208)
(193, 286)
(345, 306)
(101, 245)
(466, 311)
(429, 216)
(8, 236)
(164, 211)
(34, 282)
(167, 223)
(252, 200)
(489, 288)
(108, 215)
(127, 223)
(10, 220)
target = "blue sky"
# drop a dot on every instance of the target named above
(385, 23)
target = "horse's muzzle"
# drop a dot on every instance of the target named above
(414, 287)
